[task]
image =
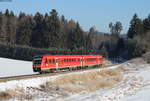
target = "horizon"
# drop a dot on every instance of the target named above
(85, 13)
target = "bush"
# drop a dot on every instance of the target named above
(146, 57)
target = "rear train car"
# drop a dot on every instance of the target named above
(49, 63)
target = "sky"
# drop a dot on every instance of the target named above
(88, 13)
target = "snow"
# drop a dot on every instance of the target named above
(35, 82)
(9, 67)
(144, 93)
(134, 87)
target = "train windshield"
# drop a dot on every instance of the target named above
(37, 61)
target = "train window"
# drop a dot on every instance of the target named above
(65, 60)
(73, 60)
(91, 59)
(37, 61)
(51, 61)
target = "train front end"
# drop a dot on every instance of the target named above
(37, 63)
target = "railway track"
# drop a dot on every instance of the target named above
(5, 79)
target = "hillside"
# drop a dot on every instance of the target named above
(129, 81)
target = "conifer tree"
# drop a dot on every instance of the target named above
(136, 27)
(79, 36)
(54, 28)
(146, 24)
(2, 28)
(37, 34)
(10, 27)
(24, 30)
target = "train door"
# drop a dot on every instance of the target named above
(50, 62)
(57, 63)
(82, 61)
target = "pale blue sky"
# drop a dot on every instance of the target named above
(88, 13)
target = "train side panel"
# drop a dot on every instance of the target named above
(91, 60)
(50, 62)
(69, 61)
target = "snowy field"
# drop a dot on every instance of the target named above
(135, 85)
(143, 93)
(9, 67)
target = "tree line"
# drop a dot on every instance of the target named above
(50, 33)
(133, 44)
(42, 31)
(139, 35)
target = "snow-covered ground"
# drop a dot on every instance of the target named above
(135, 86)
(143, 93)
(9, 67)
(35, 82)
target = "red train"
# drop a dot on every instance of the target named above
(49, 63)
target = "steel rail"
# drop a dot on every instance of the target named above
(19, 77)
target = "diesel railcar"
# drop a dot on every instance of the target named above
(50, 63)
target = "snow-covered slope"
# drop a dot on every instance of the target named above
(10, 67)
(134, 87)
(144, 93)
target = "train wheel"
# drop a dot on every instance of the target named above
(74, 68)
(78, 68)
(70, 69)
(51, 70)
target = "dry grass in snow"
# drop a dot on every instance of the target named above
(66, 85)
(87, 82)
(5, 95)
(17, 92)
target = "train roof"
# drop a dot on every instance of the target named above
(40, 56)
